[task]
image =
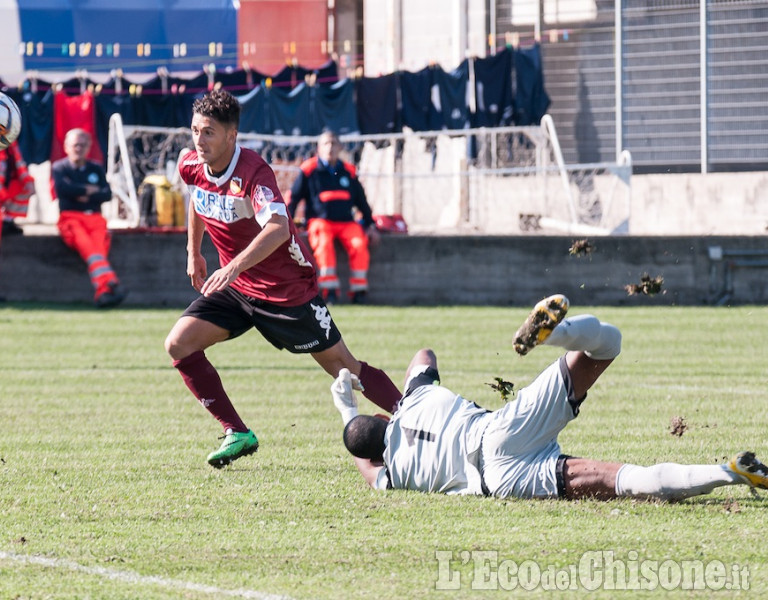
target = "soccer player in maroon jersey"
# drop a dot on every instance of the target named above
(266, 279)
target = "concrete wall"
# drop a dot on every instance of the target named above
(697, 204)
(416, 270)
(733, 204)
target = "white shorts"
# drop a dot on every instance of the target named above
(519, 449)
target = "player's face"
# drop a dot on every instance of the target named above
(214, 142)
(77, 147)
(328, 148)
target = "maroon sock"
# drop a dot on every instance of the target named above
(379, 388)
(204, 382)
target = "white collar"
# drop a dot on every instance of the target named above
(224, 177)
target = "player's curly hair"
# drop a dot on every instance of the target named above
(219, 105)
(364, 437)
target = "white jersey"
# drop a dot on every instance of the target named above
(433, 443)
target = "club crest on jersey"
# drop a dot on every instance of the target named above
(344, 181)
(236, 185)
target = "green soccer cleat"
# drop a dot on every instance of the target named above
(235, 445)
(750, 468)
(540, 322)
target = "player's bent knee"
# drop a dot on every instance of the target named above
(425, 356)
(172, 346)
(613, 340)
(610, 343)
(177, 345)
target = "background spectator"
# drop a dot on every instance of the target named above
(81, 187)
(16, 187)
(333, 201)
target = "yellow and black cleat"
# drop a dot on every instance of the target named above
(748, 466)
(544, 317)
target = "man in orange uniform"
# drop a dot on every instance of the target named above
(16, 187)
(333, 199)
(81, 187)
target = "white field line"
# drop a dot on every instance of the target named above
(132, 577)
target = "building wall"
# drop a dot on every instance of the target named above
(274, 32)
(678, 93)
(401, 35)
(348, 42)
(11, 63)
(381, 37)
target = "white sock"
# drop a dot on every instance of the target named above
(598, 340)
(670, 481)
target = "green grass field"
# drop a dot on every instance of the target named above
(105, 492)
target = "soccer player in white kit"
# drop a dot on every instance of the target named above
(437, 441)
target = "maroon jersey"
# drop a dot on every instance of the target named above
(234, 207)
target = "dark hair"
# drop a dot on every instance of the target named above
(219, 105)
(364, 437)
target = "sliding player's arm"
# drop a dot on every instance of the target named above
(369, 470)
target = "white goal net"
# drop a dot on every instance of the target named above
(498, 181)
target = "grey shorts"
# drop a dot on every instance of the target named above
(520, 452)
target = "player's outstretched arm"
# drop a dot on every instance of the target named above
(345, 401)
(368, 469)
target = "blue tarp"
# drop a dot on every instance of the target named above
(111, 34)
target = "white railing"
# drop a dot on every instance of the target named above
(120, 177)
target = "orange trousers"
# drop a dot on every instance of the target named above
(322, 234)
(87, 234)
